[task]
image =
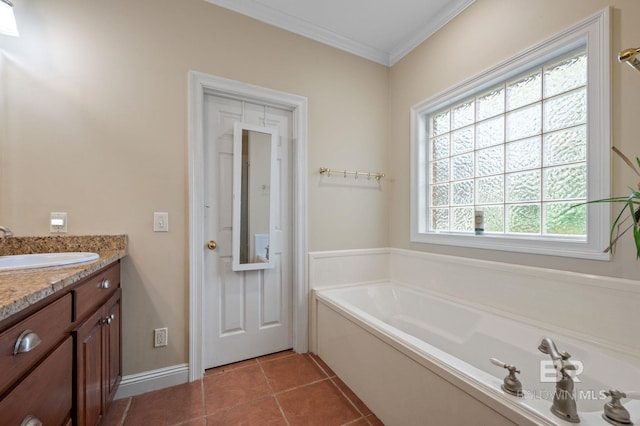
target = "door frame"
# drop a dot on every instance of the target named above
(199, 85)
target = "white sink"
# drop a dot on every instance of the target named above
(43, 260)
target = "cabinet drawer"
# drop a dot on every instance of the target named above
(44, 394)
(49, 324)
(89, 296)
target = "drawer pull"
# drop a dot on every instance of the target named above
(105, 284)
(109, 319)
(31, 421)
(26, 342)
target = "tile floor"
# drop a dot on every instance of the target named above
(279, 389)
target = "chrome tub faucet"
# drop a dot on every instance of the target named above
(564, 403)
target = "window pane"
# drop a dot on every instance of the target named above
(440, 195)
(440, 171)
(490, 190)
(462, 115)
(462, 166)
(490, 104)
(524, 122)
(565, 183)
(462, 192)
(440, 123)
(523, 186)
(440, 147)
(440, 219)
(524, 218)
(490, 161)
(524, 154)
(565, 219)
(565, 110)
(462, 140)
(490, 132)
(565, 75)
(493, 218)
(524, 91)
(462, 219)
(566, 146)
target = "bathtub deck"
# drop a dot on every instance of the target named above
(278, 389)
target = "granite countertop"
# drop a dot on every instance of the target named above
(21, 288)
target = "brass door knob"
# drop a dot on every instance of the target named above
(212, 245)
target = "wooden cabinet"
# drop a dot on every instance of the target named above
(45, 394)
(97, 350)
(68, 366)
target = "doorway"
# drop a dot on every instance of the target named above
(249, 304)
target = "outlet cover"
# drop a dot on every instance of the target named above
(160, 337)
(58, 222)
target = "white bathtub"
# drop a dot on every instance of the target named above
(415, 358)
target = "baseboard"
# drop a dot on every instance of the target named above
(147, 381)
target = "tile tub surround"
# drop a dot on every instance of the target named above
(20, 289)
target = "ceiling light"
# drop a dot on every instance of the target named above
(7, 19)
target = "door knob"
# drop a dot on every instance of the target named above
(212, 245)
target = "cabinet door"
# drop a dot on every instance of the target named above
(112, 359)
(89, 347)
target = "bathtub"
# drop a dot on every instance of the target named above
(419, 359)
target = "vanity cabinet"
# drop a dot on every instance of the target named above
(97, 350)
(60, 359)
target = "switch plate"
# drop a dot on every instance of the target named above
(161, 222)
(160, 337)
(58, 222)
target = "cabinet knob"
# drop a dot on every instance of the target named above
(212, 245)
(26, 342)
(105, 284)
(109, 319)
(31, 421)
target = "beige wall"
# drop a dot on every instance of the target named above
(94, 123)
(487, 33)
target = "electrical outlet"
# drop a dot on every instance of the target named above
(160, 337)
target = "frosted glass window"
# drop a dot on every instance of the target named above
(462, 115)
(490, 104)
(462, 140)
(490, 132)
(524, 154)
(440, 123)
(517, 152)
(524, 91)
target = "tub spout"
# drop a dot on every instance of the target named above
(564, 403)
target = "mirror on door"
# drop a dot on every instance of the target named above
(254, 195)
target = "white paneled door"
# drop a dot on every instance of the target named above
(246, 313)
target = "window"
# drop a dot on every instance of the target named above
(524, 146)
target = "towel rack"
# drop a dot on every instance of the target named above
(356, 173)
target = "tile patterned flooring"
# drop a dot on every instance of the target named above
(279, 389)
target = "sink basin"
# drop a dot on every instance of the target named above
(43, 260)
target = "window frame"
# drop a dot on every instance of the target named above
(592, 33)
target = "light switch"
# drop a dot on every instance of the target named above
(161, 222)
(58, 222)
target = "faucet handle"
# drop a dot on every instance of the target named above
(614, 412)
(511, 384)
(499, 363)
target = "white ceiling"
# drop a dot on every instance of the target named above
(382, 31)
